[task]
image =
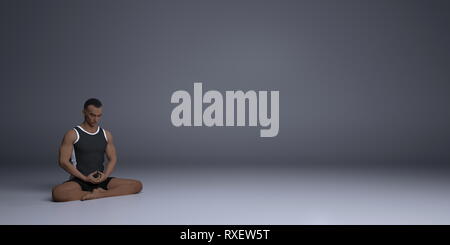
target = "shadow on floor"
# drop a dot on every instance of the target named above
(47, 199)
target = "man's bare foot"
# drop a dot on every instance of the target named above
(100, 189)
(93, 195)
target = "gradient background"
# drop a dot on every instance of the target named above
(364, 86)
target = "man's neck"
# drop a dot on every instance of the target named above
(88, 127)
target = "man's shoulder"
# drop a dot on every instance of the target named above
(71, 135)
(108, 133)
(71, 132)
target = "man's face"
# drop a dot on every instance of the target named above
(92, 115)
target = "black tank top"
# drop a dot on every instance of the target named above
(89, 150)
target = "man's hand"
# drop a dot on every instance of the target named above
(96, 180)
(101, 177)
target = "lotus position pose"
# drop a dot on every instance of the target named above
(82, 155)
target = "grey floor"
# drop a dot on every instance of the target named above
(237, 196)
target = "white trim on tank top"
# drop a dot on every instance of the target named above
(78, 136)
(98, 129)
(104, 133)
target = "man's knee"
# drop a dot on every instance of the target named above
(137, 186)
(57, 194)
(62, 194)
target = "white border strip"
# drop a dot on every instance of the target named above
(104, 133)
(98, 129)
(78, 136)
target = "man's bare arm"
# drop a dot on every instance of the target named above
(65, 152)
(110, 154)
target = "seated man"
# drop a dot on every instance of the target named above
(82, 155)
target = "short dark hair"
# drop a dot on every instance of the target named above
(92, 101)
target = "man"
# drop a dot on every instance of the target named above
(82, 155)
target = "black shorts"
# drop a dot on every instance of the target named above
(87, 186)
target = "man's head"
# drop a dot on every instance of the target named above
(92, 111)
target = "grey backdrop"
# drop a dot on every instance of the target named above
(361, 82)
